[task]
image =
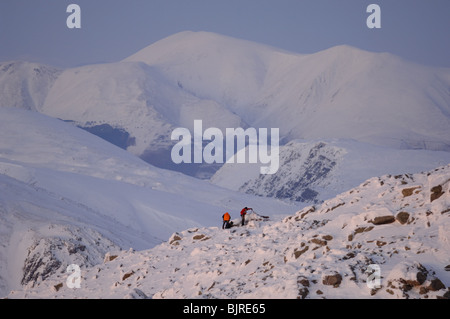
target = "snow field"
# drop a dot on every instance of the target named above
(64, 177)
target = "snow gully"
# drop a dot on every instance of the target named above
(213, 152)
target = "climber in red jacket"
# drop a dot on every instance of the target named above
(243, 213)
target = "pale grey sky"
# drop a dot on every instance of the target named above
(111, 30)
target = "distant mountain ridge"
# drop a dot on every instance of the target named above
(342, 92)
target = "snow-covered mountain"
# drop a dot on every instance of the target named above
(131, 96)
(387, 238)
(68, 196)
(313, 171)
(342, 92)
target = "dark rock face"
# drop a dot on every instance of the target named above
(436, 192)
(39, 266)
(296, 185)
(49, 255)
(116, 136)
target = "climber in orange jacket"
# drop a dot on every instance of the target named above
(226, 221)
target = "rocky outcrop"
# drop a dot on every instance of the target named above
(332, 280)
(49, 255)
(381, 220)
(412, 279)
(436, 193)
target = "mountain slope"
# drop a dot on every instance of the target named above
(131, 96)
(375, 98)
(228, 70)
(312, 171)
(132, 99)
(25, 84)
(64, 188)
(396, 225)
(42, 233)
